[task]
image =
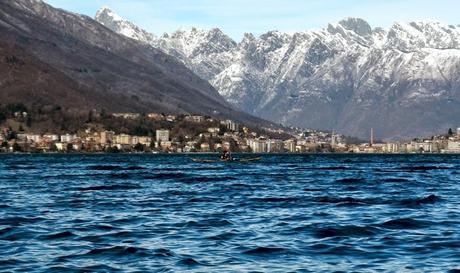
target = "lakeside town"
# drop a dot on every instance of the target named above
(209, 135)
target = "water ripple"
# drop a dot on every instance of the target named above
(296, 213)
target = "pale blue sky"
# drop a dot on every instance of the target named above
(235, 17)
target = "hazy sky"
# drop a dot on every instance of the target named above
(235, 17)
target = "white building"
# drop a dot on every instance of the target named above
(258, 145)
(214, 130)
(107, 137)
(127, 115)
(275, 146)
(162, 135)
(290, 145)
(453, 147)
(61, 146)
(67, 138)
(19, 137)
(34, 138)
(51, 137)
(392, 148)
(197, 119)
(145, 140)
(422, 147)
(123, 139)
(231, 125)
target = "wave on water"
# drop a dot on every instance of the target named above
(415, 202)
(206, 179)
(351, 180)
(208, 223)
(190, 262)
(345, 231)
(18, 221)
(423, 168)
(165, 176)
(404, 223)
(114, 168)
(275, 199)
(348, 200)
(395, 180)
(57, 236)
(21, 167)
(115, 187)
(262, 251)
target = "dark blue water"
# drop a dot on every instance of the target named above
(147, 213)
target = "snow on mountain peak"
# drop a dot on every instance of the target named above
(115, 22)
(106, 11)
(334, 76)
(358, 25)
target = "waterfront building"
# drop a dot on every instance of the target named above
(422, 147)
(34, 138)
(275, 146)
(453, 147)
(21, 137)
(392, 148)
(51, 137)
(145, 140)
(166, 145)
(123, 139)
(106, 137)
(458, 132)
(162, 135)
(61, 146)
(134, 140)
(290, 145)
(205, 147)
(67, 138)
(300, 148)
(258, 145)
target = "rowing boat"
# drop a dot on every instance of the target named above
(200, 160)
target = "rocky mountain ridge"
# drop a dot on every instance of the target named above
(349, 77)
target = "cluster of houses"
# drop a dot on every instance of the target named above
(449, 144)
(234, 137)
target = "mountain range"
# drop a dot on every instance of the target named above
(54, 58)
(402, 81)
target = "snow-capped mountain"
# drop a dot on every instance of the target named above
(403, 81)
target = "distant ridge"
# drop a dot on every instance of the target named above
(53, 57)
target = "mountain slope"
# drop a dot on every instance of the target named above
(95, 67)
(402, 81)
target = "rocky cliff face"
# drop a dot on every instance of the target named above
(402, 81)
(72, 61)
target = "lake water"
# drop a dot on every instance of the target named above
(153, 213)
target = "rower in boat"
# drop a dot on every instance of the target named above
(226, 156)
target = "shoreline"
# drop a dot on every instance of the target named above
(217, 153)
